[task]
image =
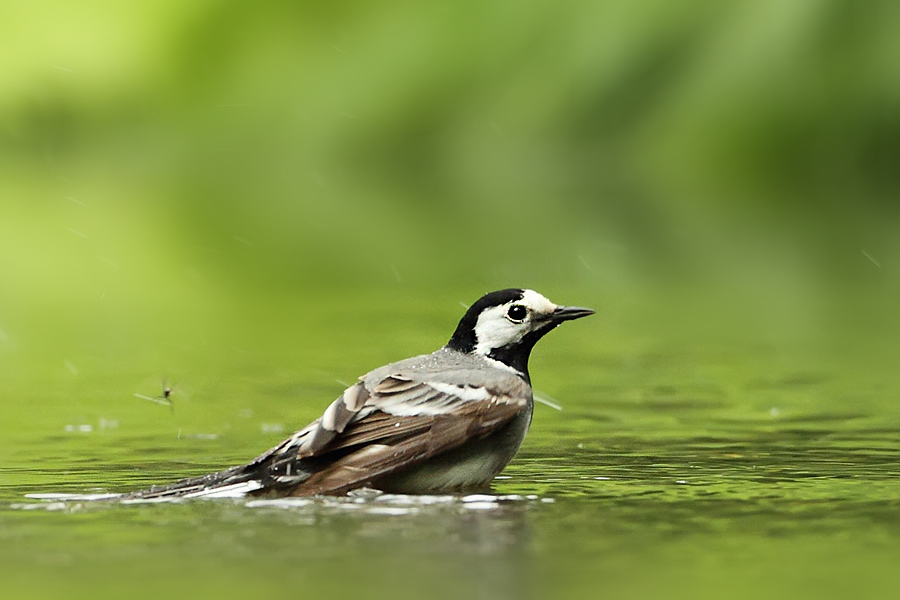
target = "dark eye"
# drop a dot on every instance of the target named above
(517, 313)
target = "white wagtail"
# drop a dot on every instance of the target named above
(442, 422)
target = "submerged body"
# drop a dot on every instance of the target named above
(441, 422)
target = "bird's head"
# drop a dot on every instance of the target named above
(505, 325)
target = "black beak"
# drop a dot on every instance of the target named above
(567, 313)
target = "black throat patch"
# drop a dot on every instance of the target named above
(517, 355)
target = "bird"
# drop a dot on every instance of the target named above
(444, 422)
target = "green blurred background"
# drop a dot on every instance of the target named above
(718, 162)
(255, 200)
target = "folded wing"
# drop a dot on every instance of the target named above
(412, 421)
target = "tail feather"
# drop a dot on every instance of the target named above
(194, 485)
(271, 474)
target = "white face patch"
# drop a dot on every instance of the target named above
(494, 330)
(537, 303)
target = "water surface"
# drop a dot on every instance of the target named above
(667, 473)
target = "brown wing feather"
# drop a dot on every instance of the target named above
(379, 427)
(386, 450)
